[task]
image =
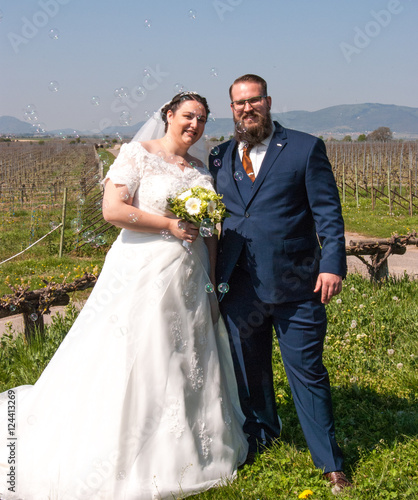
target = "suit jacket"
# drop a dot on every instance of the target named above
(287, 225)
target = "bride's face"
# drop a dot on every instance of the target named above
(188, 122)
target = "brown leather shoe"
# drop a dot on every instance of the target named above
(338, 481)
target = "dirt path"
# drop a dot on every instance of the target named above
(398, 264)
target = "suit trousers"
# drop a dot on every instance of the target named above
(300, 328)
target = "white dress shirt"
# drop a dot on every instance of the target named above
(257, 153)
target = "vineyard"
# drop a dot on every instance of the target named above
(383, 172)
(42, 183)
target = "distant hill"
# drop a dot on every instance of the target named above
(11, 125)
(353, 119)
(337, 121)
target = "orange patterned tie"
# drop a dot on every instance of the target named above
(247, 163)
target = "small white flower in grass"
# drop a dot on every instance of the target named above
(338, 301)
(184, 195)
(364, 295)
(361, 306)
(193, 206)
(353, 324)
(395, 298)
(391, 352)
(352, 289)
(412, 356)
(399, 366)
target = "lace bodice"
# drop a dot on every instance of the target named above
(151, 180)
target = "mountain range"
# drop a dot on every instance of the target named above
(337, 121)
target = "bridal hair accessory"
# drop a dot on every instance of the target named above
(188, 92)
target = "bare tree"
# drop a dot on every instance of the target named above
(381, 134)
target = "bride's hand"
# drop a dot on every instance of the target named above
(183, 230)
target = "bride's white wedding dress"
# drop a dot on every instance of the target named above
(140, 400)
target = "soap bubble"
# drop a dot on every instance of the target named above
(121, 92)
(161, 154)
(192, 14)
(217, 162)
(88, 236)
(40, 128)
(132, 218)
(12, 307)
(240, 127)
(166, 235)
(238, 176)
(193, 164)
(139, 92)
(76, 225)
(95, 101)
(54, 34)
(214, 151)
(209, 288)
(100, 240)
(53, 86)
(124, 194)
(206, 228)
(121, 475)
(214, 72)
(223, 287)
(33, 316)
(53, 225)
(147, 23)
(178, 88)
(125, 118)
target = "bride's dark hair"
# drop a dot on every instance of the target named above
(177, 100)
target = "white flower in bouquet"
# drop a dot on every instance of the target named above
(193, 206)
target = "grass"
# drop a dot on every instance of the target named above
(372, 357)
(377, 223)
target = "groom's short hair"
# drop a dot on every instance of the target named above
(250, 78)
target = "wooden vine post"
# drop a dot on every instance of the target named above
(64, 210)
(33, 304)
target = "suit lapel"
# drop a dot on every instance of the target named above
(277, 144)
(228, 163)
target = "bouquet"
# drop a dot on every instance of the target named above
(200, 206)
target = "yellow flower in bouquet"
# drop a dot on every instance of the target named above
(200, 206)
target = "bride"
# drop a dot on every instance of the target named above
(140, 401)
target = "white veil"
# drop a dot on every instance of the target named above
(154, 127)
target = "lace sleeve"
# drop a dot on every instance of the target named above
(127, 168)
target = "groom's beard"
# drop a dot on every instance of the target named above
(257, 132)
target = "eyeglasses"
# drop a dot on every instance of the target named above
(252, 101)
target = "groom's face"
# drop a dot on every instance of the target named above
(253, 117)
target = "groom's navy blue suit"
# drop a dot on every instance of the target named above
(284, 229)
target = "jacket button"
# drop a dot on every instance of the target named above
(247, 214)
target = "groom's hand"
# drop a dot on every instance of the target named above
(329, 285)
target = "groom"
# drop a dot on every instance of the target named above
(282, 252)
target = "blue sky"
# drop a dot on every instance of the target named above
(56, 55)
